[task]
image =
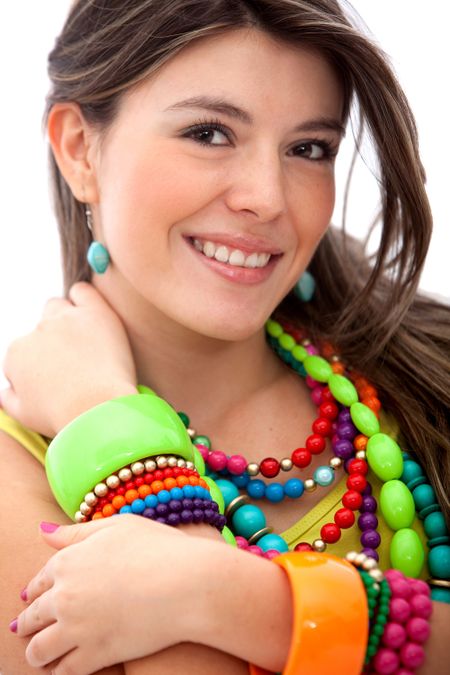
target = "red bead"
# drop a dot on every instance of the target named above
(352, 500)
(102, 502)
(177, 471)
(356, 482)
(344, 518)
(327, 396)
(330, 533)
(322, 426)
(139, 481)
(158, 475)
(329, 410)
(303, 546)
(168, 473)
(148, 477)
(120, 490)
(269, 467)
(129, 485)
(358, 466)
(315, 444)
(301, 457)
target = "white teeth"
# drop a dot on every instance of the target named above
(209, 249)
(236, 258)
(251, 261)
(222, 254)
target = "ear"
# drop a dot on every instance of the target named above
(73, 145)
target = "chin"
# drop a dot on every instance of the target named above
(232, 326)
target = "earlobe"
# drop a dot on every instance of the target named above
(71, 142)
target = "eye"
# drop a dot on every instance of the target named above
(317, 150)
(205, 131)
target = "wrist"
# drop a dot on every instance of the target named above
(243, 606)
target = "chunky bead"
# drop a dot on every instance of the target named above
(294, 488)
(412, 655)
(439, 562)
(303, 546)
(236, 464)
(256, 489)
(299, 353)
(270, 467)
(434, 525)
(274, 328)
(397, 504)
(384, 457)
(217, 460)
(318, 368)
(364, 419)
(370, 539)
(247, 520)
(424, 496)
(344, 518)
(202, 440)
(386, 661)
(330, 533)
(411, 471)
(342, 389)
(324, 475)
(406, 552)
(274, 492)
(273, 541)
(301, 457)
(394, 635)
(228, 489)
(287, 342)
(418, 629)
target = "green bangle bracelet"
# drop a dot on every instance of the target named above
(110, 436)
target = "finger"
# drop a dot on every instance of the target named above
(83, 294)
(67, 535)
(49, 644)
(36, 616)
(40, 583)
(55, 306)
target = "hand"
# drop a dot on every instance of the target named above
(115, 591)
(77, 357)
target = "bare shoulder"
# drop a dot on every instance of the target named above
(26, 500)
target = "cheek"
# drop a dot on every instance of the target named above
(313, 208)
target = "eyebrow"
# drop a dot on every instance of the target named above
(220, 105)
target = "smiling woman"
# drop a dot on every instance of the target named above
(195, 212)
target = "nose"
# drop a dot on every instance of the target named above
(258, 185)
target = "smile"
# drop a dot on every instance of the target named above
(231, 256)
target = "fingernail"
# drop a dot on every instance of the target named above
(48, 527)
(23, 595)
(13, 626)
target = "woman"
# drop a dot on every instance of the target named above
(207, 199)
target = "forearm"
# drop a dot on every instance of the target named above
(437, 648)
(189, 659)
(246, 607)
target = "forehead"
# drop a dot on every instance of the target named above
(263, 74)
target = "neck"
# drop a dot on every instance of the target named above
(188, 369)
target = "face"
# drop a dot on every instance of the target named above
(211, 215)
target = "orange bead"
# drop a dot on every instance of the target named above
(368, 391)
(97, 515)
(170, 483)
(193, 480)
(131, 495)
(338, 368)
(182, 481)
(144, 490)
(203, 483)
(360, 442)
(157, 486)
(108, 510)
(118, 501)
(327, 350)
(373, 403)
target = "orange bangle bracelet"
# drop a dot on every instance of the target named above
(330, 623)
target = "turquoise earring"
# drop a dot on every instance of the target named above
(97, 255)
(305, 287)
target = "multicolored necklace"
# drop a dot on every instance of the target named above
(357, 443)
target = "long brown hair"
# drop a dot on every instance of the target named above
(369, 309)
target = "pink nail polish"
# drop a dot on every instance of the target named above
(13, 626)
(23, 595)
(48, 527)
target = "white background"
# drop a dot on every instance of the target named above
(413, 33)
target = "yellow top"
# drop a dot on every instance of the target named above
(305, 529)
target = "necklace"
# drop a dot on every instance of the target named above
(334, 421)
